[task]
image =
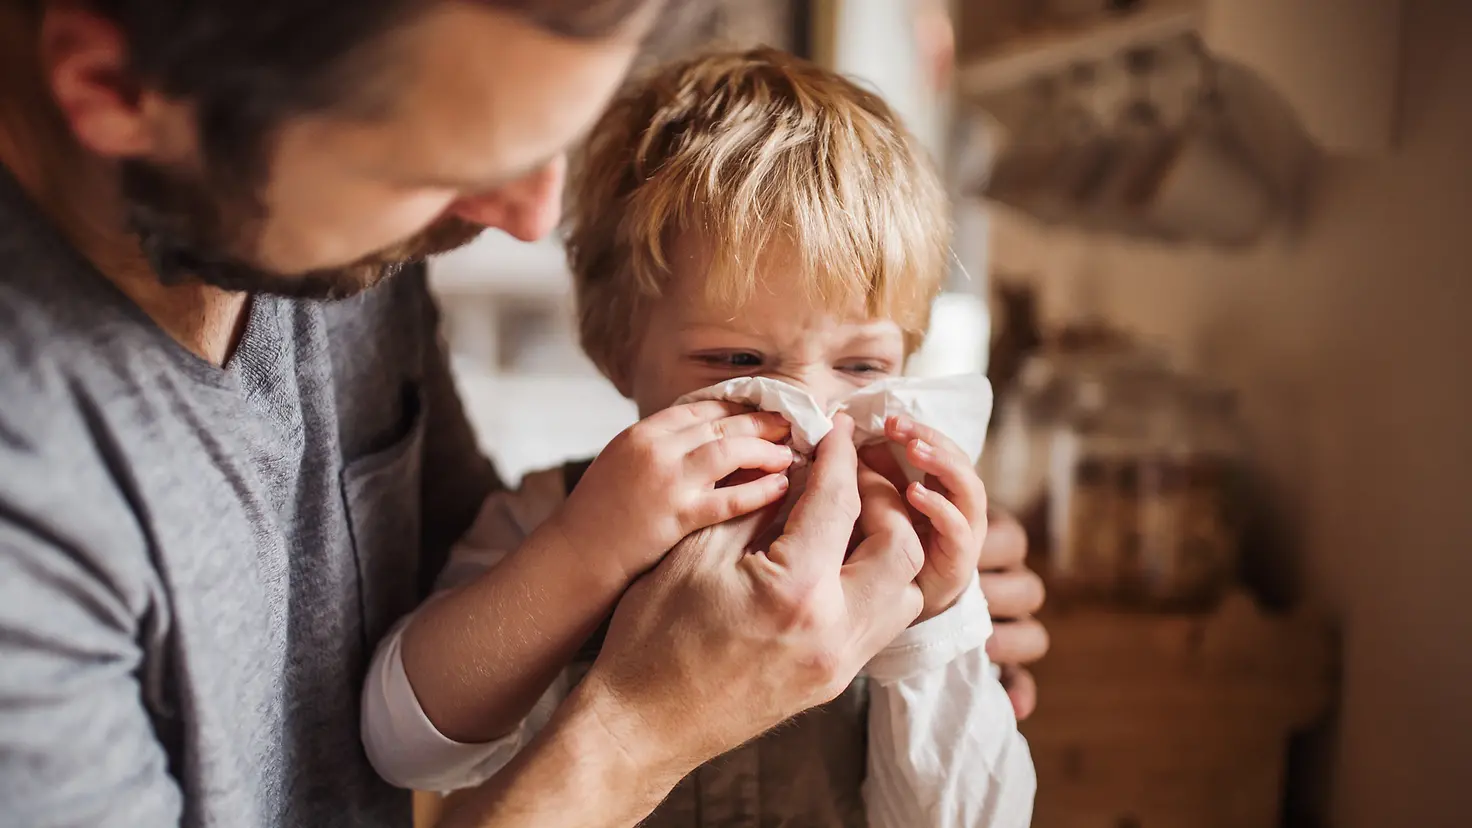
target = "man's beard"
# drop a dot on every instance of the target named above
(187, 231)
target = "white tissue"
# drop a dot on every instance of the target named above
(958, 407)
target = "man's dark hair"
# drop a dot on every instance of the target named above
(248, 65)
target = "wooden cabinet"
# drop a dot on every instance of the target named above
(1178, 721)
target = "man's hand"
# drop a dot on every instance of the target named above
(721, 641)
(1014, 593)
(657, 481)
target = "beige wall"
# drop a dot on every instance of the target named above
(1353, 347)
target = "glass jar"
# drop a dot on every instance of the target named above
(1141, 491)
(1018, 462)
(1098, 473)
(1189, 555)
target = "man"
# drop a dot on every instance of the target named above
(211, 484)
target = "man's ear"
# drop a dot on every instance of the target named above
(84, 58)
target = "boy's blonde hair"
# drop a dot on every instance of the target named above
(747, 149)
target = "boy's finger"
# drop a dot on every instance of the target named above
(686, 415)
(903, 429)
(766, 425)
(719, 459)
(952, 527)
(721, 505)
(953, 471)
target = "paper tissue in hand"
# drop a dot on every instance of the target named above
(958, 407)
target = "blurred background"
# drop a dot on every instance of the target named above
(1209, 252)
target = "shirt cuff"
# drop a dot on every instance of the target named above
(935, 642)
(405, 747)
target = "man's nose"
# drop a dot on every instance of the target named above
(527, 208)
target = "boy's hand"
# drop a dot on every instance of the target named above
(656, 482)
(950, 507)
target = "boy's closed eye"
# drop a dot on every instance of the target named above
(868, 368)
(739, 360)
(749, 361)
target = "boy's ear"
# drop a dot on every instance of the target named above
(619, 376)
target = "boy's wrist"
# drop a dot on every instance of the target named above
(594, 555)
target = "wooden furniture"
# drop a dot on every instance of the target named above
(1174, 721)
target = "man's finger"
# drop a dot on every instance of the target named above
(1012, 594)
(1005, 545)
(881, 458)
(728, 541)
(882, 507)
(1022, 690)
(1017, 642)
(817, 533)
(879, 587)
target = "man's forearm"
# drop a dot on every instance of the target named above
(580, 772)
(479, 657)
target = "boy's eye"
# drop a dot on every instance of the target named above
(731, 359)
(864, 367)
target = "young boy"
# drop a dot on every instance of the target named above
(735, 215)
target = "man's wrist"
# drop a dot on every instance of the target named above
(611, 725)
(582, 771)
(616, 751)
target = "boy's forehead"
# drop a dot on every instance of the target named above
(773, 281)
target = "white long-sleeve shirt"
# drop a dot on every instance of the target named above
(943, 747)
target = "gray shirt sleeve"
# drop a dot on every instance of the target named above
(77, 746)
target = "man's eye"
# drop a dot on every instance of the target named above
(864, 368)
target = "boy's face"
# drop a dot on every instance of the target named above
(780, 332)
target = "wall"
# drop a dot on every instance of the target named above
(1351, 343)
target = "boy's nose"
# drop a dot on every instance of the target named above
(823, 388)
(527, 208)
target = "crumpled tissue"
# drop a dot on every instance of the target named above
(958, 407)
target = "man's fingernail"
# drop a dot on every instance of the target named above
(783, 482)
(923, 448)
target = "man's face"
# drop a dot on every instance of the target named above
(480, 108)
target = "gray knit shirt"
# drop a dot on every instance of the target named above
(196, 561)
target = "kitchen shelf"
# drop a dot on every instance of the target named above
(1018, 60)
(1333, 68)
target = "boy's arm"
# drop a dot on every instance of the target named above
(944, 751)
(449, 688)
(479, 656)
